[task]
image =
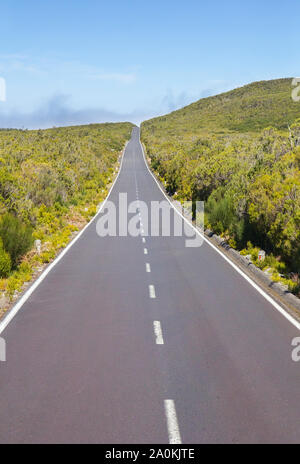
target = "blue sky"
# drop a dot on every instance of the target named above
(71, 61)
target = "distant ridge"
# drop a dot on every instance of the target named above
(249, 108)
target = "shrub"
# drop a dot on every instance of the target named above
(25, 271)
(223, 218)
(5, 261)
(16, 236)
(47, 256)
(13, 284)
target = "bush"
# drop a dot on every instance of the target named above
(25, 271)
(47, 256)
(13, 284)
(220, 212)
(16, 237)
(5, 261)
(223, 219)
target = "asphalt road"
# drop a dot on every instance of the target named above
(84, 364)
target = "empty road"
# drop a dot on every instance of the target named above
(143, 340)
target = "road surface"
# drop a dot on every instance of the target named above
(119, 346)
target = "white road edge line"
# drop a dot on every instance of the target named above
(159, 340)
(152, 291)
(148, 268)
(172, 423)
(249, 280)
(16, 308)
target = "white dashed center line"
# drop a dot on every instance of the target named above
(152, 291)
(158, 333)
(169, 405)
(170, 411)
(172, 423)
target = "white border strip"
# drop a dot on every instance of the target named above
(249, 280)
(16, 308)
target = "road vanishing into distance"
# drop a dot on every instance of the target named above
(143, 340)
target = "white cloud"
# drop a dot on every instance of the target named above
(12, 56)
(58, 112)
(17, 63)
(125, 78)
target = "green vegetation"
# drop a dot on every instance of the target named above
(51, 182)
(249, 108)
(5, 261)
(16, 237)
(239, 152)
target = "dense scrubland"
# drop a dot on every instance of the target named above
(51, 182)
(240, 153)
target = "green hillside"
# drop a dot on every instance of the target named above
(240, 153)
(50, 184)
(249, 108)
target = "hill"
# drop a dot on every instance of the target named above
(240, 153)
(249, 108)
(50, 184)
